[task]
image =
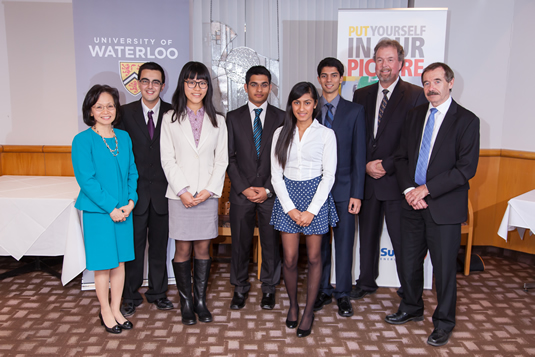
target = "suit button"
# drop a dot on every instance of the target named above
(150, 182)
(374, 145)
(257, 175)
(150, 147)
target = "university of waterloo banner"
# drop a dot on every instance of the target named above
(113, 38)
(422, 33)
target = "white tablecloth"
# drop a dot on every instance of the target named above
(37, 217)
(520, 214)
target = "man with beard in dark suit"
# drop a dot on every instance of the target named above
(386, 104)
(438, 154)
(250, 133)
(143, 120)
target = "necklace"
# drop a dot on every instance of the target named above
(113, 152)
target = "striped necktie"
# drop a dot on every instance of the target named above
(423, 158)
(257, 131)
(329, 117)
(382, 108)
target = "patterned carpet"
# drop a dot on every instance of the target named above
(40, 317)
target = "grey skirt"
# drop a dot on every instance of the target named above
(196, 223)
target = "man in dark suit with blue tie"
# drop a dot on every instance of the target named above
(347, 121)
(386, 103)
(250, 133)
(437, 155)
(142, 120)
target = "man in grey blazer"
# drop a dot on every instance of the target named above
(250, 132)
(143, 120)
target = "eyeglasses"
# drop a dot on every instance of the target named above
(98, 108)
(146, 82)
(192, 84)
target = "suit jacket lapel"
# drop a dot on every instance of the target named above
(449, 119)
(269, 127)
(139, 118)
(187, 131)
(393, 102)
(339, 115)
(159, 123)
(371, 100)
(206, 131)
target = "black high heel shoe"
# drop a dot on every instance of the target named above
(305, 333)
(115, 329)
(292, 324)
(127, 325)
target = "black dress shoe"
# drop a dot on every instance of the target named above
(321, 300)
(115, 329)
(127, 325)
(238, 300)
(357, 293)
(291, 324)
(163, 304)
(128, 308)
(305, 333)
(400, 317)
(268, 301)
(344, 307)
(438, 337)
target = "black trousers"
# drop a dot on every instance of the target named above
(154, 228)
(418, 234)
(372, 214)
(344, 241)
(242, 224)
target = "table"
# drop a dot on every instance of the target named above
(520, 215)
(38, 218)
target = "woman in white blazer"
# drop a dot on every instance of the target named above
(194, 158)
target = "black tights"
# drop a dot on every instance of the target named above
(290, 244)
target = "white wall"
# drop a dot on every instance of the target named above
(489, 46)
(488, 41)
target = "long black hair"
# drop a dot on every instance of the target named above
(190, 71)
(288, 127)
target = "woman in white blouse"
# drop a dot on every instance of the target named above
(303, 164)
(194, 156)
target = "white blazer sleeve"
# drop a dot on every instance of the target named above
(175, 177)
(217, 179)
(277, 177)
(329, 169)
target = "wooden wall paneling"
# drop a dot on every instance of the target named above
(23, 163)
(58, 161)
(1, 151)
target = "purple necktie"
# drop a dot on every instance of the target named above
(150, 124)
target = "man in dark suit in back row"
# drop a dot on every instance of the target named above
(386, 104)
(250, 133)
(438, 154)
(143, 120)
(347, 121)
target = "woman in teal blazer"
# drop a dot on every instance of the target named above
(104, 167)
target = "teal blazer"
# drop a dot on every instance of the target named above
(106, 181)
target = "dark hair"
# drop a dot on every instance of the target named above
(386, 42)
(152, 66)
(331, 62)
(190, 71)
(257, 70)
(448, 72)
(91, 99)
(288, 126)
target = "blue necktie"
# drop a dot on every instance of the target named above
(329, 117)
(257, 131)
(423, 158)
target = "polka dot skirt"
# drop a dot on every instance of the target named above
(301, 194)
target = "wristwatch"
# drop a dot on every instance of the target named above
(268, 192)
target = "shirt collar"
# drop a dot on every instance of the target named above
(146, 109)
(334, 102)
(443, 108)
(253, 107)
(190, 112)
(390, 89)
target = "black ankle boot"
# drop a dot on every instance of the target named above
(201, 273)
(183, 284)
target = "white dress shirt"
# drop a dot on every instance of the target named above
(155, 112)
(312, 156)
(378, 101)
(252, 107)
